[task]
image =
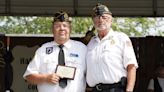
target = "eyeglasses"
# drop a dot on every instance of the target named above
(59, 24)
(104, 17)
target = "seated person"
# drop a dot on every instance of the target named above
(156, 84)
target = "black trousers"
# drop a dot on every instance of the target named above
(116, 89)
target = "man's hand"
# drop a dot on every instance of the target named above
(52, 78)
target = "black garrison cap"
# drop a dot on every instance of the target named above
(61, 16)
(100, 9)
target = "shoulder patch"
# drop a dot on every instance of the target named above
(128, 44)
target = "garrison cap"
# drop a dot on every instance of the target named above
(100, 9)
(61, 16)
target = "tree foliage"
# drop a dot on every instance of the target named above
(80, 25)
(134, 26)
(25, 25)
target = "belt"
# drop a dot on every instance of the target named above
(101, 86)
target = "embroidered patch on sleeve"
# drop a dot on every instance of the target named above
(128, 43)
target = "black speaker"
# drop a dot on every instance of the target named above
(2, 63)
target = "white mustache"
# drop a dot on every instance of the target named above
(61, 30)
(102, 26)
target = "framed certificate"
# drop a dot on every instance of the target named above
(66, 71)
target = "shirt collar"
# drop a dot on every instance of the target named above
(108, 36)
(67, 44)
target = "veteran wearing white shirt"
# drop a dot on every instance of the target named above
(111, 61)
(64, 52)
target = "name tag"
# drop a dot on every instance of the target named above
(74, 55)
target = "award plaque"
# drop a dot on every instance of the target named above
(66, 71)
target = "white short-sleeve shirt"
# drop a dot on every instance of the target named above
(46, 60)
(107, 59)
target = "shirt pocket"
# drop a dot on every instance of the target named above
(49, 66)
(73, 62)
(107, 49)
